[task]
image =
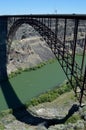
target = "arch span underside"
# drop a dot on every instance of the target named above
(76, 73)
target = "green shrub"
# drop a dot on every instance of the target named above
(34, 102)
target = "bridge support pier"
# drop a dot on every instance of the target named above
(3, 49)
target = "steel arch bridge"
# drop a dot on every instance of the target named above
(65, 35)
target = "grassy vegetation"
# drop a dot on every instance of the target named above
(1, 126)
(73, 119)
(50, 95)
(20, 70)
(5, 112)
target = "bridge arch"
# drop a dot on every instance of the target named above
(43, 30)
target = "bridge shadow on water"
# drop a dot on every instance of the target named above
(21, 113)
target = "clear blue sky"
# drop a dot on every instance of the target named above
(42, 6)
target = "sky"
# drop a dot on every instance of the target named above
(11, 7)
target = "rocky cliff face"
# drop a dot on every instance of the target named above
(27, 49)
(28, 53)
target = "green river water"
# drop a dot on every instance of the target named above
(30, 84)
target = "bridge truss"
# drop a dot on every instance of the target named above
(66, 36)
(66, 47)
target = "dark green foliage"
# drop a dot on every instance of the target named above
(64, 88)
